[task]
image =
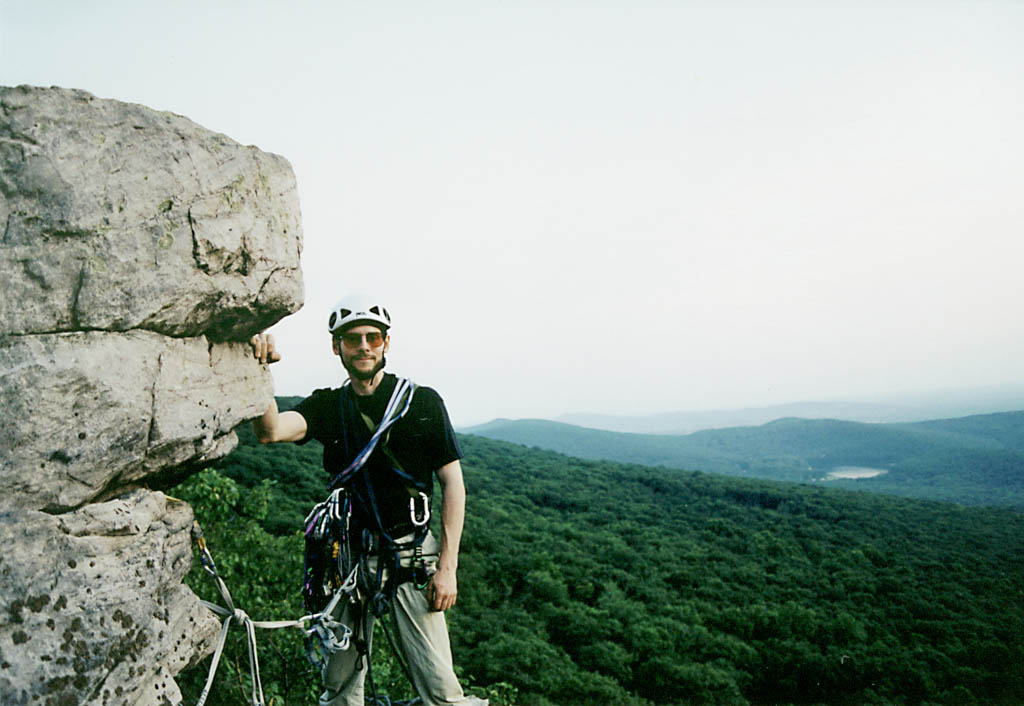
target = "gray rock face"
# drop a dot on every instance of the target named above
(90, 412)
(138, 252)
(100, 615)
(115, 217)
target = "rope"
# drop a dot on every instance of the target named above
(322, 625)
(398, 405)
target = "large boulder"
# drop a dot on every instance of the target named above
(139, 251)
(116, 217)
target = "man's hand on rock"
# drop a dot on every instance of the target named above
(263, 348)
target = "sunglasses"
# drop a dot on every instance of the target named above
(354, 340)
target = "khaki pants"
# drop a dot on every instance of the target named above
(422, 638)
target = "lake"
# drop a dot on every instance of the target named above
(854, 473)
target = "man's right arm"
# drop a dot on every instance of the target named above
(275, 426)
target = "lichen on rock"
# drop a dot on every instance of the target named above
(102, 608)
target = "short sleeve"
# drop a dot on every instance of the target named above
(440, 444)
(317, 411)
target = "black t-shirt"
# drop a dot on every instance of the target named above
(422, 441)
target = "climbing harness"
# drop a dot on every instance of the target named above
(333, 550)
(332, 573)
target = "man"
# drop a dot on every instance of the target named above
(384, 440)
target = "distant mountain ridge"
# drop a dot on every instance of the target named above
(908, 407)
(976, 460)
(689, 422)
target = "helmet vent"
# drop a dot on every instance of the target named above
(358, 311)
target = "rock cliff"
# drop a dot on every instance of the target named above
(138, 252)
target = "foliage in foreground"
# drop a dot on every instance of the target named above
(589, 582)
(261, 571)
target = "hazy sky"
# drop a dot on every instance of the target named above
(612, 206)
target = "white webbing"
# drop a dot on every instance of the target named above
(398, 405)
(322, 625)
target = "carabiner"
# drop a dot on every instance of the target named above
(418, 519)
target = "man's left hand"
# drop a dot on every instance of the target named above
(442, 590)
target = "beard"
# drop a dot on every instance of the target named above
(358, 374)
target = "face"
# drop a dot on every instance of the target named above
(359, 356)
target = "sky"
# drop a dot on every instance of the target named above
(616, 206)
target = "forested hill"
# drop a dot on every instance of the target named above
(592, 582)
(977, 460)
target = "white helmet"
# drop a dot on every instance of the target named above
(357, 309)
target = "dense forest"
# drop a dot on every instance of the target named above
(977, 460)
(592, 582)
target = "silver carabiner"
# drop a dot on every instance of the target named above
(419, 519)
